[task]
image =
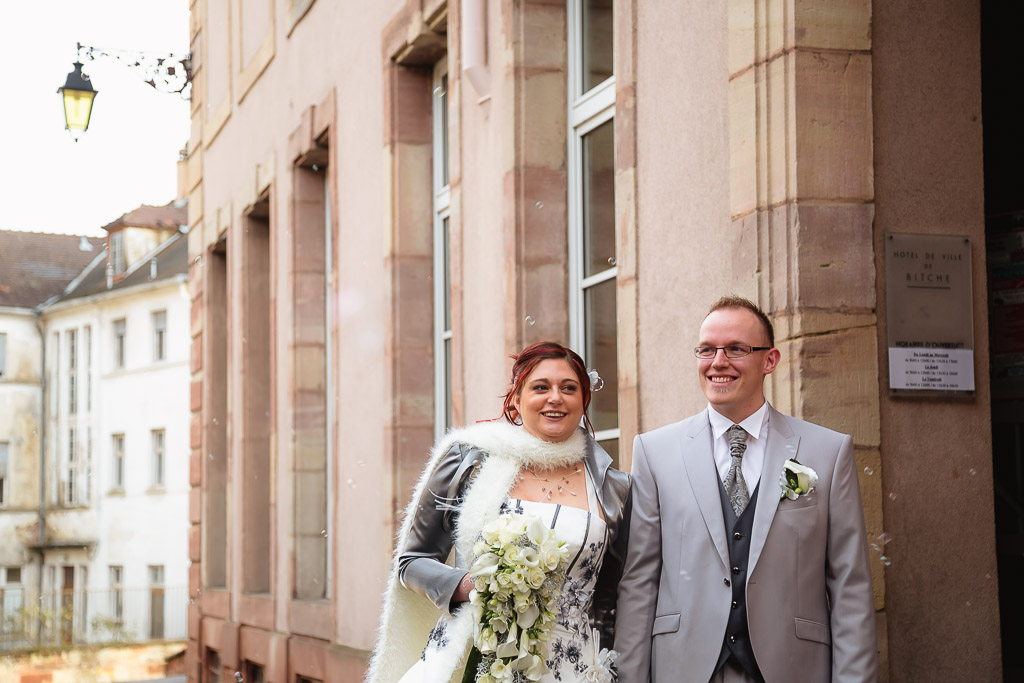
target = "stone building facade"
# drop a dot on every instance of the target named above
(388, 199)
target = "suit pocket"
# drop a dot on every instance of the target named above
(813, 630)
(666, 623)
(807, 501)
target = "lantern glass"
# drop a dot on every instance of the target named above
(77, 109)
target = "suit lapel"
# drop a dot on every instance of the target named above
(699, 462)
(782, 445)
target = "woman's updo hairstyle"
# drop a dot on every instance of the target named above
(528, 359)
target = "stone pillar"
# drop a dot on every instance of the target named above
(802, 206)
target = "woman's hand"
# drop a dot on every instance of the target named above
(462, 592)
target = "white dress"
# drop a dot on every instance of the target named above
(573, 647)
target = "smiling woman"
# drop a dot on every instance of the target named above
(538, 467)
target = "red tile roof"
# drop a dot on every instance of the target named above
(167, 217)
(35, 266)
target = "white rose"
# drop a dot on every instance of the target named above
(535, 577)
(498, 625)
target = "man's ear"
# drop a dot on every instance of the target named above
(771, 360)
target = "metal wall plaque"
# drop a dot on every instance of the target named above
(929, 314)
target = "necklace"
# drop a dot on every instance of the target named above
(550, 486)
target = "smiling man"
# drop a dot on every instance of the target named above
(747, 555)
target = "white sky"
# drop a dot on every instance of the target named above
(50, 183)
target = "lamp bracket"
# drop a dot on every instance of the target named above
(166, 73)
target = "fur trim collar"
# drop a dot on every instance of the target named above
(511, 441)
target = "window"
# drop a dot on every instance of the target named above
(159, 335)
(87, 479)
(254, 673)
(442, 258)
(4, 455)
(117, 593)
(88, 367)
(72, 337)
(212, 666)
(118, 465)
(10, 599)
(70, 483)
(3, 354)
(156, 601)
(592, 243)
(119, 334)
(158, 457)
(117, 253)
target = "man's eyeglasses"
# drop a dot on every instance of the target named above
(731, 351)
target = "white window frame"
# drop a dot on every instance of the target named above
(116, 575)
(71, 336)
(117, 260)
(5, 474)
(158, 440)
(440, 146)
(87, 330)
(72, 479)
(587, 111)
(3, 354)
(159, 335)
(120, 342)
(117, 462)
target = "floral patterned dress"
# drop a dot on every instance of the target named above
(574, 648)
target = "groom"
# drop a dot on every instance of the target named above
(733, 575)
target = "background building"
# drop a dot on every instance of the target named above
(104, 558)
(388, 199)
(34, 267)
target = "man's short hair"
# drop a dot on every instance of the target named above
(733, 301)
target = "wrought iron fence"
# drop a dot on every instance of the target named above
(31, 620)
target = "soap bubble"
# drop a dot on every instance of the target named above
(324, 533)
(886, 562)
(530, 320)
(539, 205)
(868, 471)
(611, 260)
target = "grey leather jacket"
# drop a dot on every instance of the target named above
(421, 564)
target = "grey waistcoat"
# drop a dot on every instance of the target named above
(737, 637)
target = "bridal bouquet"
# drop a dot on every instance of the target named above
(518, 571)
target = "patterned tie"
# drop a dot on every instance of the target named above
(735, 487)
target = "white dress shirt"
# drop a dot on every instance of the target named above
(756, 426)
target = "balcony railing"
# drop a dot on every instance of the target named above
(56, 619)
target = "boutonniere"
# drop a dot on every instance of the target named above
(797, 480)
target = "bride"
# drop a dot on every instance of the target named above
(543, 465)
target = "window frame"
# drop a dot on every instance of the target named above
(3, 355)
(71, 477)
(5, 466)
(120, 329)
(587, 111)
(116, 579)
(117, 456)
(158, 449)
(159, 319)
(441, 254)
(71, 337)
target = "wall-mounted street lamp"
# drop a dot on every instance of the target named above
(166, 73)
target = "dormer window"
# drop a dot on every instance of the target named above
(117, 263)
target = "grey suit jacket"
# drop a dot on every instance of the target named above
(809, 594)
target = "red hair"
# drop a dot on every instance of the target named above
(527, 360)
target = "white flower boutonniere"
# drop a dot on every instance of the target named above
(797, 480)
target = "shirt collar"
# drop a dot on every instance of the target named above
(753, 424)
